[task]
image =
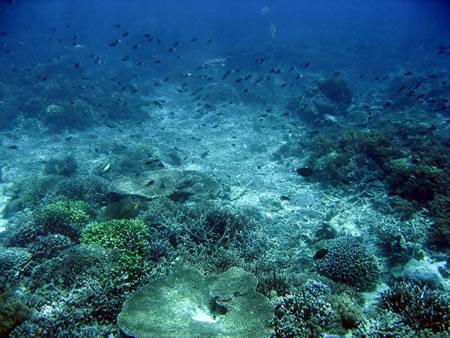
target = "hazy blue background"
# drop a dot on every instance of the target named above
(370, 35)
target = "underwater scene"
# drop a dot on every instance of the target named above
(224, 168)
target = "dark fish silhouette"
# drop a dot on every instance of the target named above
(305, 171)
(227, 73)
(115, 43)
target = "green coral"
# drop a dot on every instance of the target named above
(345, 260)
(127, 238)
(63, 217)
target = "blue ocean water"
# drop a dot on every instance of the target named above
(224, 168)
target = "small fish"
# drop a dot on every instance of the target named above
(115, 43)
(209, 42)
(260, 60)
(176, 44)
(194, 39)
(125, 34)
(116, 25)
(77, 65)
(136, 46)
(284, 198)
(157, 103)
(12, 146)
(106, 167)
(125, 58)
(227, 73)
(306, 65)
(408, 73)
(157, 61)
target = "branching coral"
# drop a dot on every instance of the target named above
(419, 307)
(127, 238)
(63, 217)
